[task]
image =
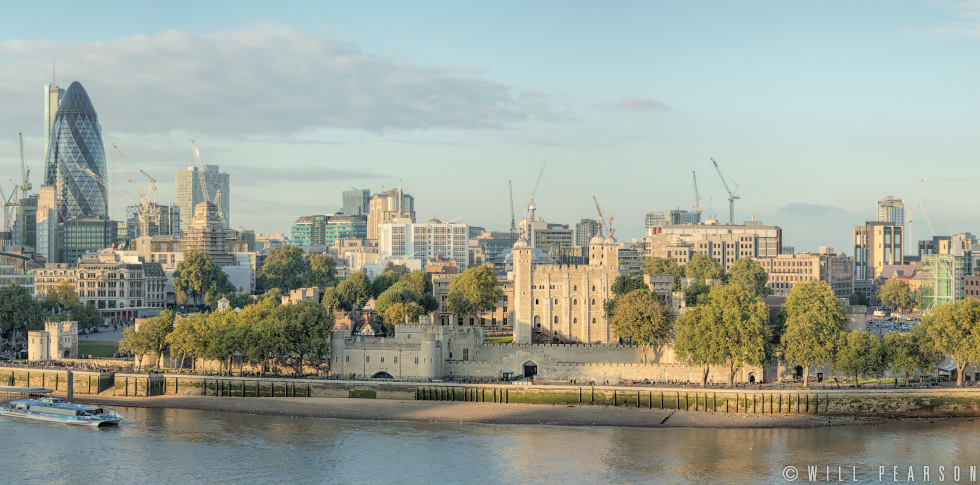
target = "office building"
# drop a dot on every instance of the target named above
(424, 241)
(163, 220)
(671, 218)
(548, 237)
(391, 206)
(81, 235)
(190, 195)
(890, 209)
(586, 230)
(52, 98)
(76, 158)
(724, 243)
(876, 244)
(788, 270)
(356, 202)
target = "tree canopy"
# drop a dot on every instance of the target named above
(730, 328)
(905, 354)
(625, 284)
(664, 266)
(354, 291)
(285, 268)
(150, 338)
(953, 329)
(398, 303)
(86, 315)
(702, 267)
(748, 273)
(814, 326)
(861, 354)
(19, 312)
(896, 294)
(322, 271)
(639, 317)
(63, 295)
(197, 276)
(473, 291)
(382, 282)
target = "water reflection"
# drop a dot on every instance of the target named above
(187, 446)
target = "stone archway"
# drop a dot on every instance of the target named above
(530, 369)
(382, 375)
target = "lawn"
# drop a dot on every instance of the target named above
(97, 350)
(506, 339)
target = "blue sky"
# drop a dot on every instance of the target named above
(816, 110)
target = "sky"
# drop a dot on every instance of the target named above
(812, 110)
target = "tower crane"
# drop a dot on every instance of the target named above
(697, 196)
(145, 211)
(25, 186)
(200, 172)
(732, 194)
(603, 222)
(530, 203)
(513, 224)
(917, 200)
(8, 203)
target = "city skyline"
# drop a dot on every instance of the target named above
(817, 113)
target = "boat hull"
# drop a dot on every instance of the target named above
(48, 418)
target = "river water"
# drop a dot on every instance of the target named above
(187, 446)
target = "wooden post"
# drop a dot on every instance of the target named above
(807, 404)
(89, 384)
(126, 392)
(817, 408)
(661, 399)
(714, 402)
(677, 400)
(650, 400)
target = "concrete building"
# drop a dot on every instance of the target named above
(357, 202)
(487, 246)
(787, 270)
(670, 218)
(498, 319)
(548, 237)
(724, 243)
(58, 340)
(163, 220)
(391, 206)
(876, 244)
(954, 244)
(52, 98)
(82, 235)
(585, 230)
(429, 240)
(48, 242)
(564, 301)
(190, 194)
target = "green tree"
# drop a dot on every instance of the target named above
(905, 354)
(422, 282)
(857, 298)
(354, 291)
(748, 273)
(664, 266)
(322, 272)
(953, 329)
(694, 292)
(285, 268)
(626, 283)
(188, 338)
(814, 326)
(63, 295)
(896, 294)
(197, 275)
(399, 301)
(307, 328)
(86, 315)
(330, 299)
(729, 329)
(135, 343)
(383, 282)
(150, 338)
(474, 291)
(239, 300)
(639, 317)
(861, 354)
(701, 267)
(19, 312)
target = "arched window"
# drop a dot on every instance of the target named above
(535, 301)
(556, 319)
(575, 301)
(593, 287)
(575, 288)
(537, 321)
(593, 301)
(593, 320)
(556, 301)
(574, 320)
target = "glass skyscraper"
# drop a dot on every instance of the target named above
(75, 153)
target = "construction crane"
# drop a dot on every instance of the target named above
(917, 200)
(145, 210)
(732, 194)
(200, 171)
(513, 223)
(530, 203)
(25, 186)
(697, 196)
(603, 222)
(8, 204)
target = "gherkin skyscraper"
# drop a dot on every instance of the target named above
(76, 157)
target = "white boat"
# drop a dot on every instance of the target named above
(54, 410)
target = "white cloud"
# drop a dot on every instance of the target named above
(632, 103)
(268, 80)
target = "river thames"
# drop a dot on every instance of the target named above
(188, 446)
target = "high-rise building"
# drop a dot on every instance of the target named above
(356, 202)
(391, 206)
(429, 240)
(724, 243)
(876, 244)
(669, 218)
(76, 158)
(52, 98)
(585, 231)
(81, 235)
(163, 220)
(190, 195)
(890, 209)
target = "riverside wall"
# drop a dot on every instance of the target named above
(885, 403)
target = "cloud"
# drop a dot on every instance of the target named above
(968, 12)
(810, 211)
(269, 80)
(632, 103)
(306, 173)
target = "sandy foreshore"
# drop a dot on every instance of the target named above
(476, 412)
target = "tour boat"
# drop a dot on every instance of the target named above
(55, 410)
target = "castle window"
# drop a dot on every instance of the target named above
(593, 287)
(535, 301)
(382, 360)
(574, 320)
(367, 358)
(347, 359)
(556, 301)
(593, 320)
(396, 360)
(575, 301)
(556, 319)
(416, 360)
(575, 288)
(593, 301)
(466, 354)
